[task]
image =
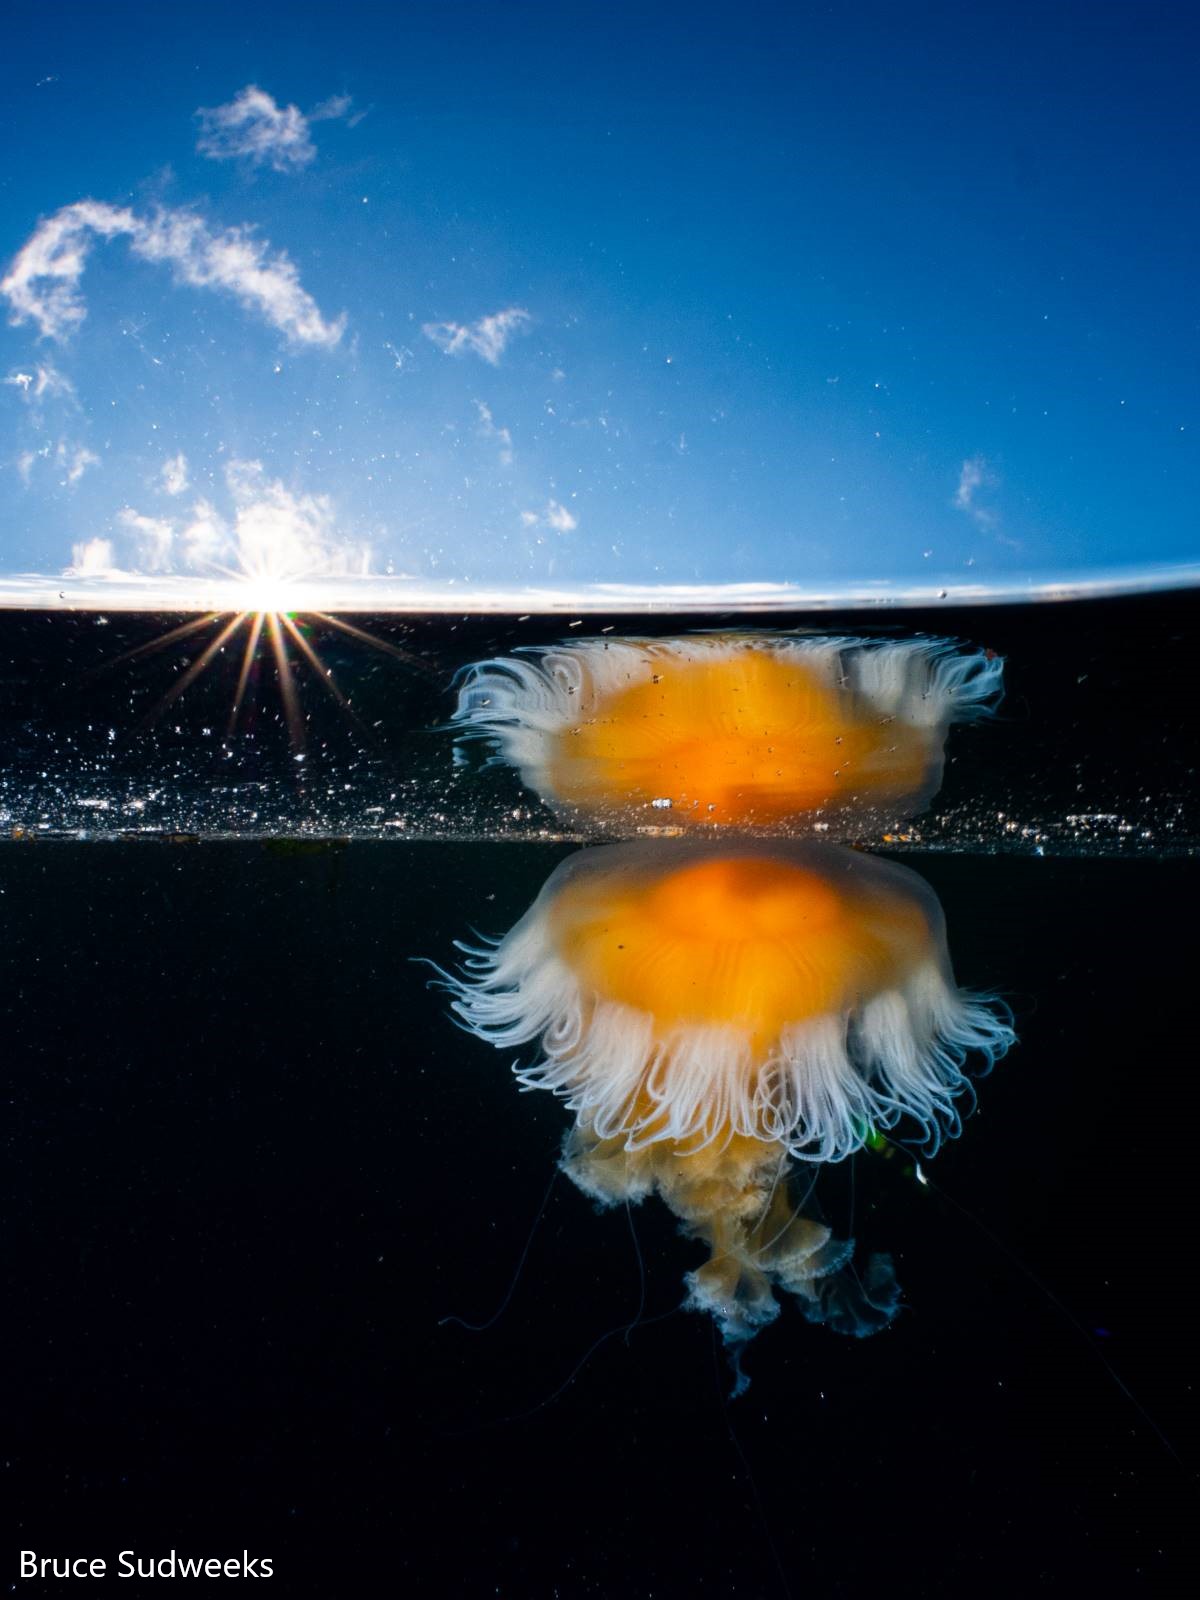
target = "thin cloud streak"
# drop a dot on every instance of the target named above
(153, 537)
(555, 516)
(42, 284)
(71, 459)
(974, 475)
(75, 459)
(173, 476)
(488, 338)
(44, 381)
(255, 129)
(489, 428)
(333, 109)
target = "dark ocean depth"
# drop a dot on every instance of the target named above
(250, 1167)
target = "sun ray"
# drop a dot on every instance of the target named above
(196, 668)
(374, 641)
(253, 635)
(319, 668)
(172, 636)
(287, 687)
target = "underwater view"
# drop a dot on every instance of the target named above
(599, 825)
(850, 953)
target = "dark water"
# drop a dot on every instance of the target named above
(250, 1167)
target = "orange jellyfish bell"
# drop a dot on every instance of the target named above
(735, 729)
(714, 1013)
(694, 992)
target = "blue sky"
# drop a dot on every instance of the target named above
(601, 293)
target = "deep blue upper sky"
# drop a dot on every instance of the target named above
(810, 292)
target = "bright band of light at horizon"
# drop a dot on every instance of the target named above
(129, 591)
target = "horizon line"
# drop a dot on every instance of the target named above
(131, 591)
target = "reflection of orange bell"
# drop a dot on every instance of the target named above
(750, 736)
(729, 729)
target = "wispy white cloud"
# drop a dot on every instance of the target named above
(91, 558)
(276, 531)
(970, 477)
(487, 338)
(205, 538)
(254, 128)
(153, 539)
(559, 518)
(50, 402)
(267, 532)
(70, 458)
(974, 476)
(42, 284)
(336, 107)
(75, 459)
(173, 476)
(554, 516)
(44, 382)
(490, 430)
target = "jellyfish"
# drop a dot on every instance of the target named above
(722, 1016)
(735, 730)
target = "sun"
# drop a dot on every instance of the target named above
(273, 621)
(267, 595)
(261, 630)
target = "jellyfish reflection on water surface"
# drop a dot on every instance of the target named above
(735, 730)
(719, 1014)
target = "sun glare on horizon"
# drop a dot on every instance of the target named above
(269, 627)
